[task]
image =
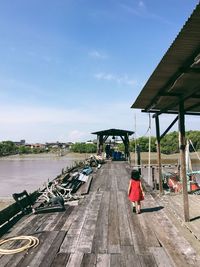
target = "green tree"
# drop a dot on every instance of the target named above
(83, 148)
(24, 150)
(7, 148)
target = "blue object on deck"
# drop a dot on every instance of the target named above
(87, 170)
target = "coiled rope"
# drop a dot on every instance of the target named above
(32, 242)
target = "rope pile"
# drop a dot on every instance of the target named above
(32, 242)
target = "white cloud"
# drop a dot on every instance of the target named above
(142, 11)
(141, 4)
(97, 55)
(120, 79)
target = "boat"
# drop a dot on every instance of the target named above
(172, 180)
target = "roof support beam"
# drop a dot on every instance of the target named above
(159, 155)
(168, 128)
(175, 103)
(183, 175)
(171, 112)
(193, 106)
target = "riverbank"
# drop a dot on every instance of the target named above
(29, 172)
(44, 156)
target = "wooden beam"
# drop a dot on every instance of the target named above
(177, 102)
(182, 145)
(157, 111)
(170, 126)
(159, 155)
(193, 106)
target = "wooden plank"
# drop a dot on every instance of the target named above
(122, 177)
(161, 258)
(75, 259)
(52, 251)
(100, 241)
(150, 238)
(50, 220)
(60, 260)
(45, 220)
(78, 211)
(129, 257)
(97, 180)
(88, 230)
(175, 244)
(14, 259)
(124, 226)
(89, 260)
(34, 259)
(148, 261)
(103, 260)
(29, 228)
(56, 218)
(116, 260)
(85, 188)
(113, 225)
(104, 179)
(136, 230)
(59, 223)
(71, 240)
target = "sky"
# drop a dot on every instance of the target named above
(72, 67)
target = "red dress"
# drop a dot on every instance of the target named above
(135, 193)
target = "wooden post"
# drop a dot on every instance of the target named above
(138, 158)
(97, 144)
(126, 144)
(182, 160)
(159, 155)
(100, 144)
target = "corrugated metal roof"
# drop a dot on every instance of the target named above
(177, 76)
(114, 132)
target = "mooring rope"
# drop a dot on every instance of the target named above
(32, 242)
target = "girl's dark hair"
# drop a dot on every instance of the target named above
(135, 175)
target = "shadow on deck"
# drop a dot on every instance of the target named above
(103, 231)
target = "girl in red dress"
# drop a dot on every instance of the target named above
(135, 191)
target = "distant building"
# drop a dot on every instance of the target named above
(20, 143)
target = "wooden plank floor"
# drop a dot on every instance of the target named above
(103, 231)
(175, 204)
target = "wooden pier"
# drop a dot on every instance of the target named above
(102, 230)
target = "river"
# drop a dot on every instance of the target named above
(30, 172)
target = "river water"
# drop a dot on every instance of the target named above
(31, 172)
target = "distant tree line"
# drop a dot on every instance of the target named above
(169, 144)
(83, 148)
(9, 148)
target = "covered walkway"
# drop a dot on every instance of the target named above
(103, 231)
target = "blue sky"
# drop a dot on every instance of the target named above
(71, 67)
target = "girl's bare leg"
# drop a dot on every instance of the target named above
(134, 209)
(138, 209)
